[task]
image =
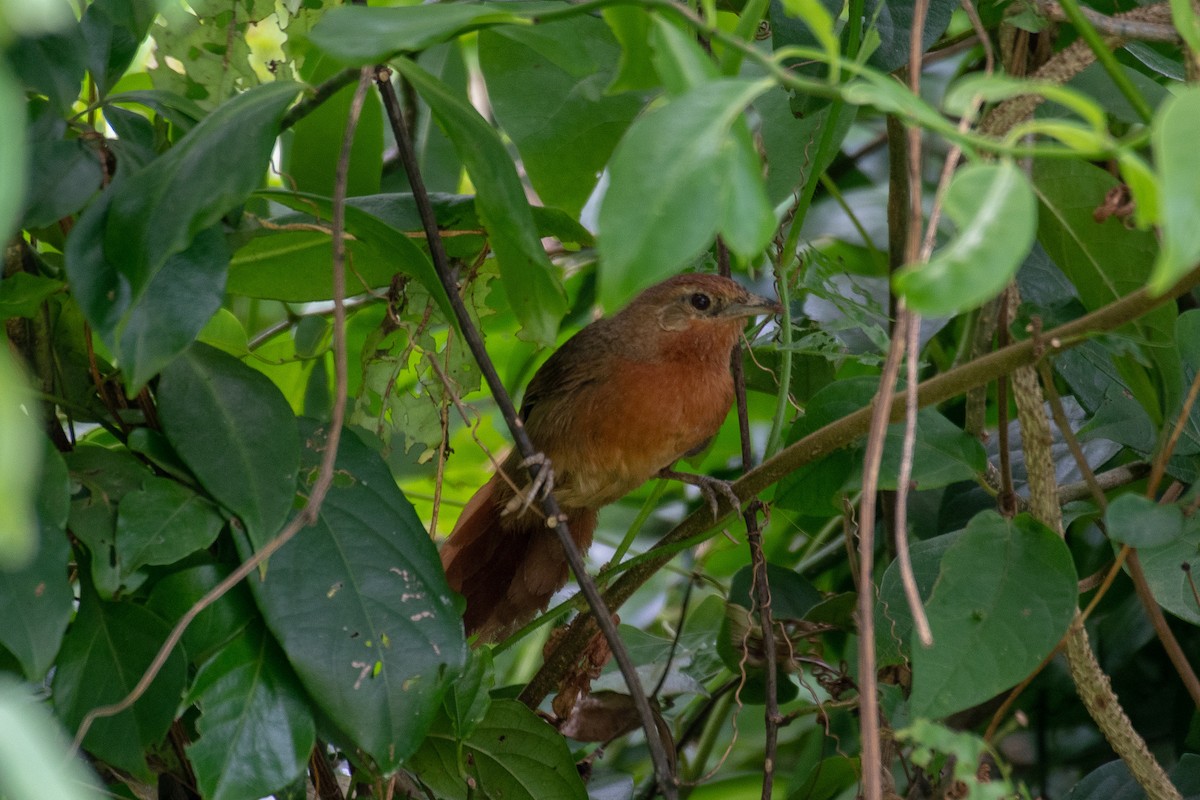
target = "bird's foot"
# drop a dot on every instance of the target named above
(541, 486)
(709, 487)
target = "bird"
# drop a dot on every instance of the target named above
(617, 404)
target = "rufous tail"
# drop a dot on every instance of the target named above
(507, 566)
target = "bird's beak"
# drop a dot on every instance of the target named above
(752, 306)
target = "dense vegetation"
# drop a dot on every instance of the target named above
(238, 408)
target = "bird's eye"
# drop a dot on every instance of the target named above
(700, 301)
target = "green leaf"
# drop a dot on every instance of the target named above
(360, 604)
(114, 30)
(512, 754)
(12, 150)
(51, 64)
(1104, 262)
(678, 59)
(33, 751)
(358, 35)
(20, 449)
(162, 522)
(1169, 572)
(1006, 593)
(100, 479)
(256, 730)
(468, 700)
(216, 625)
(631, 27)
(534, 292)
(105, 652)
(158, 211)
(654, 221)
(1140, 522)
(68, 170)
(547, 85)
(295, 265)
(1178, 165)
(892, 21)
(995, 211)
(893, 618)
(22, 294)
(235, 431)
(314, 143)
(36, 600)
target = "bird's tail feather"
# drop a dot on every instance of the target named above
(507, 566)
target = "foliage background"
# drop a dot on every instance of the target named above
(169, 194)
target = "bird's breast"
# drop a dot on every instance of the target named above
(616, 434)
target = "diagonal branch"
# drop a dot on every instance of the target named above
(835, 436)
(662, 769)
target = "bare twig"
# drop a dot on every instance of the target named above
(1132, 29)
(1164, 457)
(312, 508)
(907, 579)
(662, 770)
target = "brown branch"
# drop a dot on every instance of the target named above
(1132, 29)
(835, 436)
(662, 770)
(312, 508)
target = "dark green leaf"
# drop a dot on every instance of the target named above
(1140, 522)
(68, 174)
(105, 652)
(513, 754)
(547, 88)
(1003, 599)
(360, 604)
(162, 522)
(114, 30)
(829, 779)
(1113, 782)
(1169, 572)
(12, 150)
(237, 434)
(1106, 261)
(995, 212)
(216, 625)
(359, 35)
(1178, 163)
(36, 601)
(892, 21)
(159, 210)
(654, 221)
(51, 64)
(22, 294)
(256, 730)
(100, 479)
(893, 618)
(534, 292)
(468, 699)
(315, 142)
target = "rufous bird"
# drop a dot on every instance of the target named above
(620, 402)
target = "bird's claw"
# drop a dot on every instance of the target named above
(709, 487)
(541, 486)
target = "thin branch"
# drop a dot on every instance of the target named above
(662, 769)
(760, 585)
(1113, 26)
(907, 578)
(1164, 457)
(320, 94)
(312, 507)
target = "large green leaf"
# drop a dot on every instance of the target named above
(547, 88)
(1106, 261)
(314, 144)
(160, 209)
(217, 624)
(12, 150)
(256, 729)
(512, 754)
(358, 35)
(655, 220)
(1178, 166)
(100, 479)
(1169, 572)
(893, 617)
(20, 447)
(114, 30)
(1005, 595)
(33, 751)
(235, 431)
(105, 652)
(359, 602)
(534, 292)
(995, 211)
(36, 600)
(162, 522)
